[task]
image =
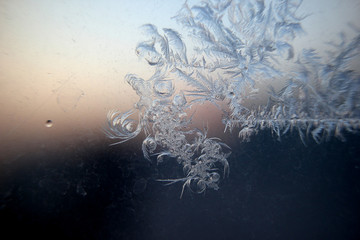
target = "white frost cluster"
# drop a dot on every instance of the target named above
(237, 44)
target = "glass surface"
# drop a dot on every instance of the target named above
(66, 69)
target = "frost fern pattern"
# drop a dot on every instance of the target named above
(236, 45)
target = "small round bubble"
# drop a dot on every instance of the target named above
(48, 123)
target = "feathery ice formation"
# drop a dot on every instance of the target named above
(237, 44)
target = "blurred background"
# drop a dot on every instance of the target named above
(62, 68)
(65, 61)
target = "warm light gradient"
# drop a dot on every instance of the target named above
(65, 61)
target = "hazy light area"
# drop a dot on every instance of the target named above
(65, 61)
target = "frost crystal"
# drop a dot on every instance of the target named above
(237, 45)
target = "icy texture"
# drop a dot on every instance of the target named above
(237, 45)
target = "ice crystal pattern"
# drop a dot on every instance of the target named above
(236, 45)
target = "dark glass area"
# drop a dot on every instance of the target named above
(274, 191)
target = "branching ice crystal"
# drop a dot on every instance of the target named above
(237, 45)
